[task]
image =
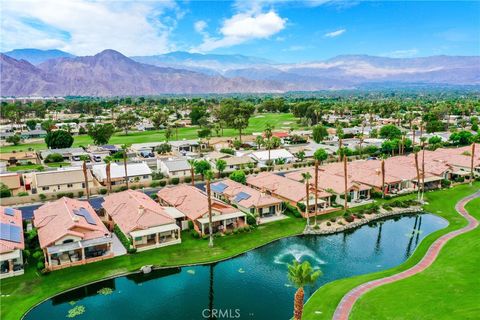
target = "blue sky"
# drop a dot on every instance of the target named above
(284, 31)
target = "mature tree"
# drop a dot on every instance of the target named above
(238, 176)
(59, 139)
(191, 162)
(209, 176)
(221, 165)
(236, 113)
(301, 275)
(306, 178)
(15, 139)
(5, 192)
(268, 134)
(53, 158)
(202, 166)
(300, 155)
(163, 148)
(320, 155)
(126, 120)
(159, 119)
(259, 141)
(197, 113)
(125, 150)
(101, 133)
(31, 124)
(168, 133)
(47, 125)
(462, 138)
(85, 158)
(390, 132)
(319, 133)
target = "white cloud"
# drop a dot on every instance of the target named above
(200, 26)
(408, 53)
(86, 27)
(243, 27)
(336, 33)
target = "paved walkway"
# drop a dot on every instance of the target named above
(117, 246)
(346, 304)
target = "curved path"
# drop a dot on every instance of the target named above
(346, 304)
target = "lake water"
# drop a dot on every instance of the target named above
(251, 286)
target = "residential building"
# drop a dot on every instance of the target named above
(71, 233)
(193, 203)
(178, 167)
(137, 172)
(69, 154)
(262, 157)
(13, 181)
(21, 157)
(145, 222)
(289, 190)
(246, 198)
(11, 242)
(60, 180)
(235, 163)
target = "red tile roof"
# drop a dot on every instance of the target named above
(16, 219)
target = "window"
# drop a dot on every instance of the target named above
(45, 188)
(252, 210)
(69, 185)
(145, 177)
(137, 239)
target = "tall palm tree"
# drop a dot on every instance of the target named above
(340, 142)
(208, 177)
(423, 139)
(345, 180)
(191, 162)
(85, 175)
(124, 147)
(320, 155)
(306, 177)
(268, 135)
(415, 150)
(471, 163)
(383, 177)
(301, 275)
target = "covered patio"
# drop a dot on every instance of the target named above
(11, 264)
(156, 237)
(77, 253)
(222, 222)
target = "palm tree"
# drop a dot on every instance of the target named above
(415, 150)
(85, 175)
(345, 179)
(306, 177)
(423, 139)
(340, 142)
(301, 275)
(320, 155)
(124, 147)
(191, 162)
(220, 164)
(209, 176)
(471, 163)
(268, 135)
(109, 175)
(383, 177)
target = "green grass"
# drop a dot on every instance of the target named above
(442, 203)
(31, 288)
(58, 164)
(25, 167)
(256, 124)
(450, 288)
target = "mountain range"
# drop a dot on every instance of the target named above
(27, 72)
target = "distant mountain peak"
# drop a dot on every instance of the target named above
(37, 56)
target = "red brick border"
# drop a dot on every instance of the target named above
(345, 306)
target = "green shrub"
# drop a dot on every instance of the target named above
(22, 194)
(132, 250)
(190, 224)
(235, 231)
(42, 197)
(446, 183)
(122, 237)
(80, 194)
(251, 220)
(195, 234)
(187, 179)
(301, 206)
(246, 228)
(65, 194)
(103, 191)
(163, 183)
(375, 194)
(333, 219)
(349, 218)
(328, 224)
(387, 207)
(53, 157)
(40, 265)
(174, 181)
(227, 151)
(290, 210)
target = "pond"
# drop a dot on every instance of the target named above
(253, 285)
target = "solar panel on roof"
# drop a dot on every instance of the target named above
(242, 196)
(84, 213)
(219, 187)
(9, 211)
(10, 232)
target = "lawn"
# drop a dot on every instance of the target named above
(24, 291)
(256, 124)
(384, 302)
(451, 286)
(37, 167)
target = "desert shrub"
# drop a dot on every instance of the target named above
(65, 194)
(163, 183)
(42, 197)
(349, 218)
(154, 184)
(174, 181)
(446, 183)
(333, 219)
(53, 157)
(187, 179)
(102, 191)
(328, 224)
(22, 194)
